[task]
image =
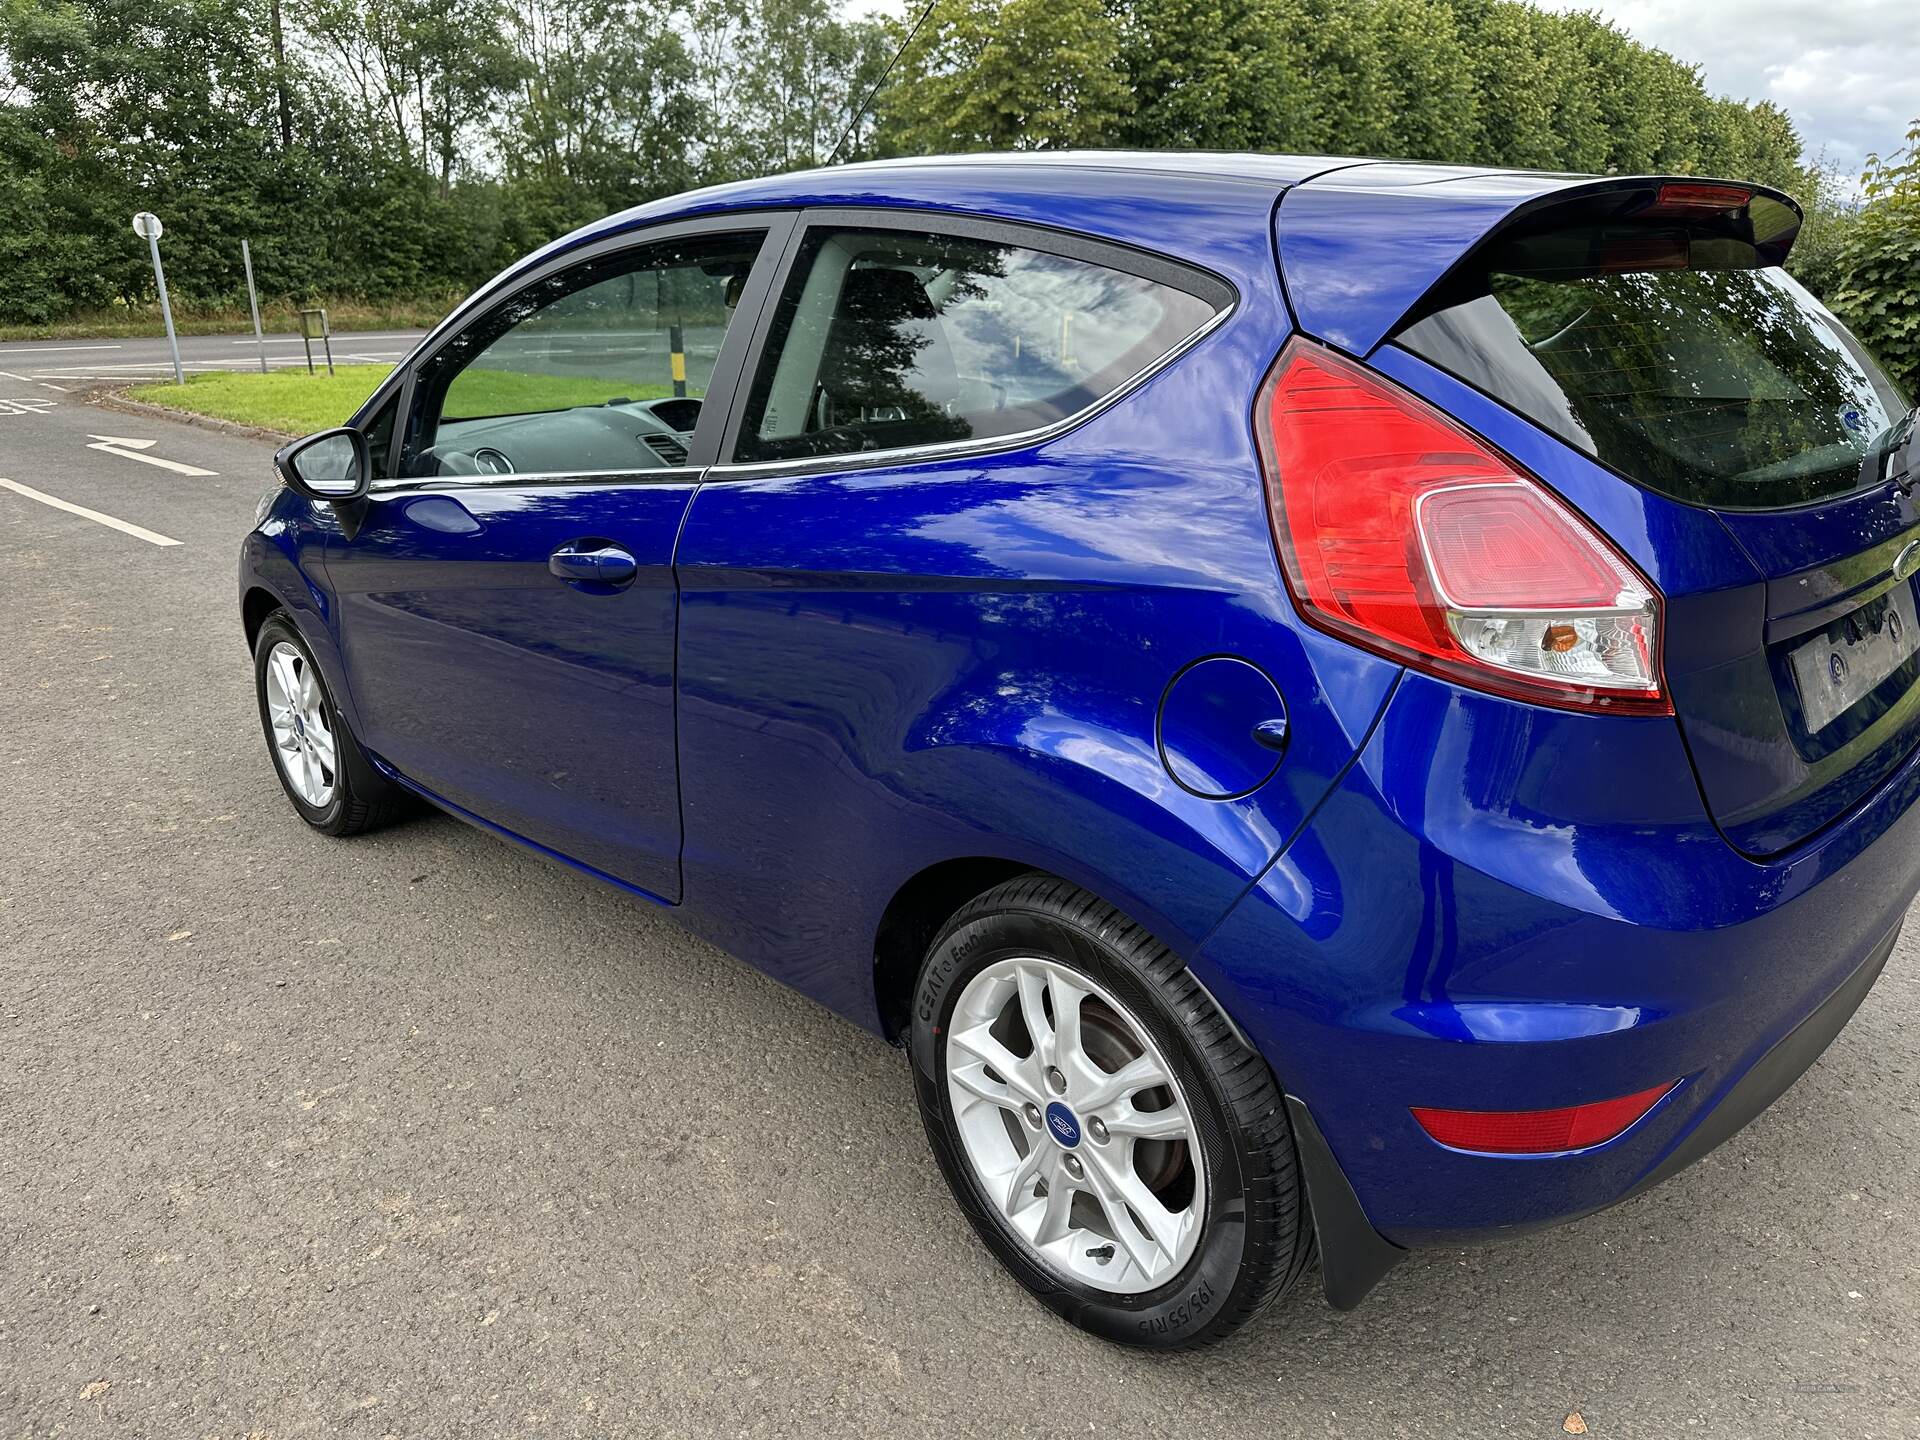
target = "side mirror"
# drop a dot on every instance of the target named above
(334, 466)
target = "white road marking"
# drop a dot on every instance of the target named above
(131, 450)
(27, 405)
(50, 349)
(125, 527)
(295, 339)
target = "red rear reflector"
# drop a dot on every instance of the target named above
(1400, 532)
(1538, 1132)
(1690, 197)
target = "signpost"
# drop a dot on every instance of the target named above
(314, 326)
(253, 304)
(147, 225)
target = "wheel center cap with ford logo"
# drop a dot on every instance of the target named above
(1063, 1125)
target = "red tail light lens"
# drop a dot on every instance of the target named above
(1538, 1132)
(1400, 532)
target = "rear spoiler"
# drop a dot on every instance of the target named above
(1361, 246)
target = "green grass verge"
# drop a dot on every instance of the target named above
(288, 400)
(476, 394)
(298, 403)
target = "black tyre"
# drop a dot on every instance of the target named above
(326, 777)
(1101, 1124)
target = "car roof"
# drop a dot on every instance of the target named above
(1201, 206)
(1143, 172)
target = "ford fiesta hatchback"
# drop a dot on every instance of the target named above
(1326, 705)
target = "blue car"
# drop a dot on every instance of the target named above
(1328, 706)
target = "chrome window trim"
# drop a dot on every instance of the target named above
(666, 475)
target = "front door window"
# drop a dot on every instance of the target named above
(603, 367)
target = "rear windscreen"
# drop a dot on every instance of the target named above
(1680, 361)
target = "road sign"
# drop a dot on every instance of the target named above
(314, 326)
(147, 225)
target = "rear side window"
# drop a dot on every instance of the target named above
(885, 339)
(1680, 361)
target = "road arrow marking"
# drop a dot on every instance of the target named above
(128, 449)
(123, 526)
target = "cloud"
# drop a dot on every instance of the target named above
(1847, 71)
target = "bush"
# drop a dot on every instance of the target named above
(1879, 294)
(1832, 211)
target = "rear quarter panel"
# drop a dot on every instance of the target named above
(885, 668)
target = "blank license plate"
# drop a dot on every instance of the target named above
(1850, 659)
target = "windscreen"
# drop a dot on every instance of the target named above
(1680, 360)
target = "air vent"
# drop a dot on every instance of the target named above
(666, 447)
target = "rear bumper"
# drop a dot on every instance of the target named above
(1433, 938)
(1354, 1257)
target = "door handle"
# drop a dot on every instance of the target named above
(602, 565)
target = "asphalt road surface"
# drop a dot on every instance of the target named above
(41, 368)
(420, 1135)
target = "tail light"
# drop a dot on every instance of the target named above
(1691, 198)
(1538, 1132)
(1402, 533)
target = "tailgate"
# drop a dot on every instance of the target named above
(1646, 323)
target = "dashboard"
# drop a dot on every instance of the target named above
(617, 435)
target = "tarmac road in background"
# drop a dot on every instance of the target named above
(56, 367)
(420, 1135)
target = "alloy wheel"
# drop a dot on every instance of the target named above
(1075, 1126)
(303, 740)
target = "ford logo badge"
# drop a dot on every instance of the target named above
(1062, 1122)
(1908, 562)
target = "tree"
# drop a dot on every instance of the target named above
(423, 70)
(782, 80)
(1880, 294)
(605, 112)
(390, 148)
(1211, 74)
(1019, 75)
(121, 105)
(1428, 79)
(1513, 73)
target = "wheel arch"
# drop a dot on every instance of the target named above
(255, 606)
(922, 904)
(926, 900)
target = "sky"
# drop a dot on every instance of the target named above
(1846, 71)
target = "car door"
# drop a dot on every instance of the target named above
(506, 604)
